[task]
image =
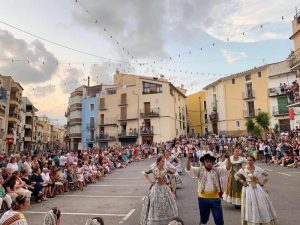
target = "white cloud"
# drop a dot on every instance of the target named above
(232, 57)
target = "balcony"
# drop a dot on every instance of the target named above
(275, 92)
(90, 139)
(108, 122)
(248, 95)
(154, 112)
(105, 137)
(128, 116)
(90, 126)
(280, 112)
(294, 60)
(129, 138)
(28, 138)
(15, 101)
(2, 112)
(13, 117)
(144, 130)
(75, 135)
(123, 103)
(28, 126)
(249, 114)
(102, 107)
(213, 117)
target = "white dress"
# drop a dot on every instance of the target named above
(256, 206)
(17, 218)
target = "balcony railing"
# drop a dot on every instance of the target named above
(213, 117)
(129, 133)
(90, 139)
(90, 126)
(279, 112)
(106, 137)
(146, 130)
(153, 112)
(273, 92)
(249, 114)
(128, 116)
(108, 121)
(294, 60)
(248, 94)
(102, 107)
(123, 102)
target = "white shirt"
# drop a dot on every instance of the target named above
(46, 177)
(62, 160)
(12, 167)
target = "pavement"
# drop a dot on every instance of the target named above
(118, 199)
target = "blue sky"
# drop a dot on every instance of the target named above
(149, 30)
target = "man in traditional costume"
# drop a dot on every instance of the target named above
(208, 188)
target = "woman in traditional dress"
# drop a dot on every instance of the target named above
(159, 206)
(52, 217)
(95, 221)
(14, 216)
(234, 188)
(223, 179)
(257, 208)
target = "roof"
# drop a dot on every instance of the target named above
(246, 72)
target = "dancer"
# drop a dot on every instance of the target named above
(159, 206)
(257, 208)
(208, 188)
(52, 217)
(234, 188)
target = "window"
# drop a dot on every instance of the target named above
(180, 124)
(248, 77)
(111, 91)
(123, 99)
(171, 91)
(204, 105)
(92, 107)
(259, 74)
(214, 88)
(179, 97)
(237, 123)
(102, 103)
(233, 81)
(151, 88)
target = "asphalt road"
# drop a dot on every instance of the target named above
(118, 199)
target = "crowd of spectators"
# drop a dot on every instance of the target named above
(292, 90)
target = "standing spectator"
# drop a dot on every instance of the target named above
(62, 161)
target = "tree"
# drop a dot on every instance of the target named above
(250, 124)
(257, 131)
(263, 120)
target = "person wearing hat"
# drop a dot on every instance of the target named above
(208, 188)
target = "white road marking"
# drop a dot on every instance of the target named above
(102, 196)
(268, 169)
(81, 214)
(294, 172)
(117, 185)
(285, 174)
(122, 178)
(142, 199)
(127, 216)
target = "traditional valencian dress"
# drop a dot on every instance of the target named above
(234, 188)
(256, 208)
(13, 218)
(159, 206)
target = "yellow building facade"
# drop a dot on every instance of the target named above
(197, 114)
(233, 99)
(140, 110)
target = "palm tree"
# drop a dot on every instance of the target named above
(257, 131)
(263, 120)
(250, 124)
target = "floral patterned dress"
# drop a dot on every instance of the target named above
(256, 207)
(233, 190)
(159, 206)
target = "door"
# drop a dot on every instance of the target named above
(251, 110)
(284, 125)
(147, 107)
(123, 99)
(215, 128)
(92, 122)
(282, 104)
(249, 90)
(123, 113)
(102, 119)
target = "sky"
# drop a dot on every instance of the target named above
(51, 47)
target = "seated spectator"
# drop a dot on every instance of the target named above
(52, 217)
(4, 198)
(9, 186)
(15, 215)
(20, 186)
(95, 221)
(38, 180)
(34, 187)
(12, 166)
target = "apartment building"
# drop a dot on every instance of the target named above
(233, 99)
(29, 121)
(294, 57)
(280, 77)
(81, 121)
(197, 114)
(3, 116)
(14, 113)
(140, 109)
